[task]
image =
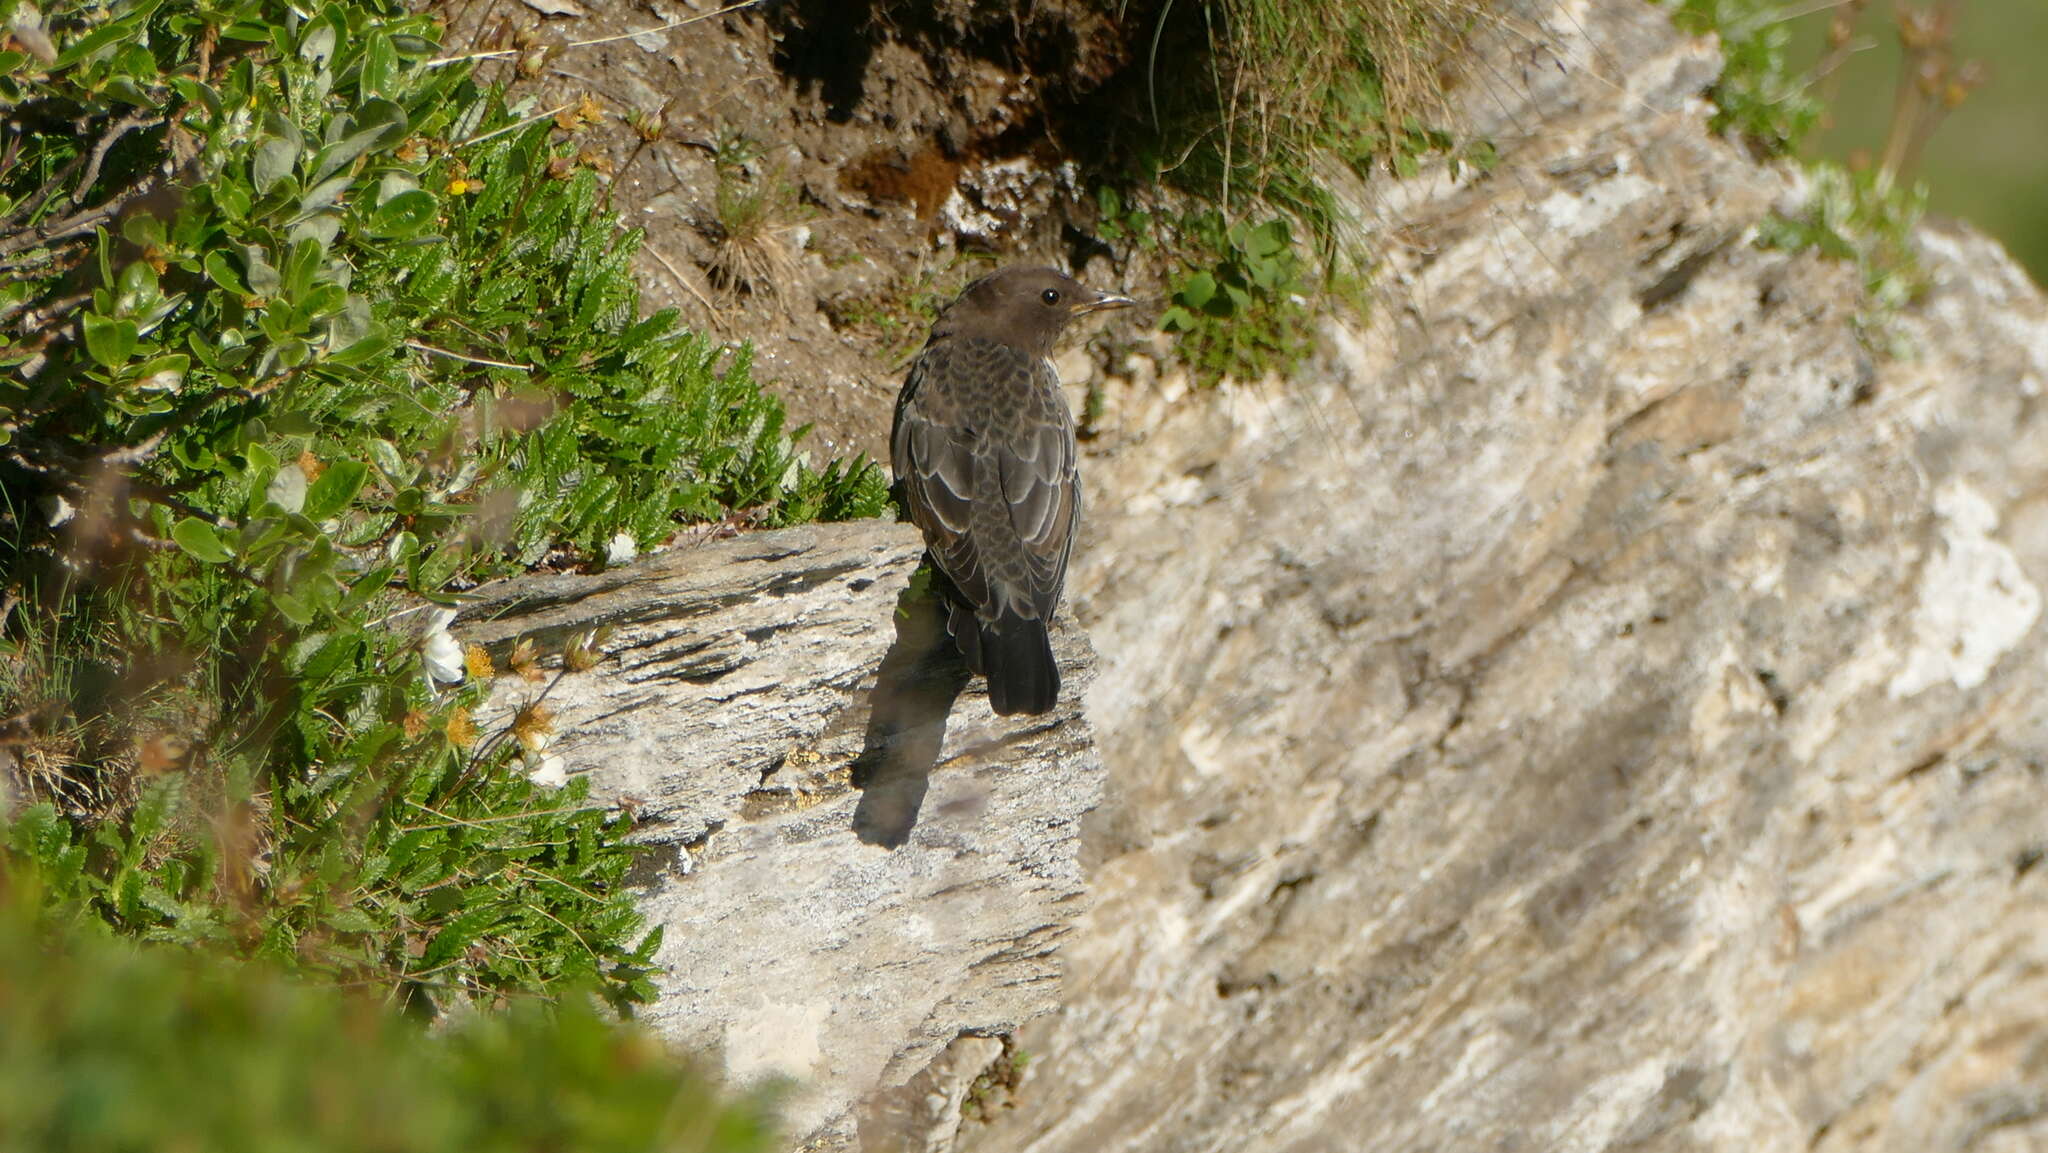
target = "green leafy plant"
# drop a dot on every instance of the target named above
(1760, 96)
(1266, 99)
(306, 333)
(1852, 216)
(1241, 313)
(1865, 214)
(1124, 224)
(110, 1046)
(1245, 97)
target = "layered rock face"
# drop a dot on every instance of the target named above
(853, 861)
(1593, 706)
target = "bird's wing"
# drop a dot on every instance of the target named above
(1040, 484)
(984, 446)
(933, 451)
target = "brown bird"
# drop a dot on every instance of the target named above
(984, 451)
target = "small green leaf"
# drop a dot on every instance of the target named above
(292, 608)
(263, 276)
(353, 920)
(1196, 290)
(110, 339)
(380, 64)
(274, 160)
(377, 124)
(335, 489)
(404, 214)
(322, 300)
(350, 325)
(319, 42)
(196, 92)
(233, 200)
(92, 42)
(222, 272)
(166, 372)
(197, 537)
(324, 193)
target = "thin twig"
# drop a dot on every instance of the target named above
(40, 317)
(138, 452)
(120, 128)
(418, 346)
(514, 127)
(497, 53)
(55, 255)
(74, 224)
(709, 309)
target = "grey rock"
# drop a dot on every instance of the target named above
(835, 910)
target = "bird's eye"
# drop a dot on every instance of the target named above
(1050, 296)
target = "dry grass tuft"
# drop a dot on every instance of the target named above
(755, 222)
(1269, 96)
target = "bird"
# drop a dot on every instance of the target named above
(985, 459)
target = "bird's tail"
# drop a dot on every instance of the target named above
(1016, 655)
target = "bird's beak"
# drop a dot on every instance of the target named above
(1104, 302)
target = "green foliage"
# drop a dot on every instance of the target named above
(107, 1046)
(1851, 216)
(1124, 224)
(373, 340)
(1251, 105)
(1244, 97)
(1760, 96)
(1240, 312)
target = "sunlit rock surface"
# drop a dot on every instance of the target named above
(1593, 706)
(830, 916)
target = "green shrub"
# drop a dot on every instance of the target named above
(1759, 96)
(1250, 106)
(109, 1047)
(307, 331)
(1243, 98)
(1851, 215)
(1241, 310)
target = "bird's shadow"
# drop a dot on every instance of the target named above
(921, 676)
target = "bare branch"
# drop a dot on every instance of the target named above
(120, 128)
(74, 224)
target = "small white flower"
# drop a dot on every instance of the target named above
(548, 769)
(287, 489)
(442, 654)
(621, 549)
(57, 509)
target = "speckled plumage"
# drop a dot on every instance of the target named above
(984, 450)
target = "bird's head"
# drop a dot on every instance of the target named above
(1024, 306)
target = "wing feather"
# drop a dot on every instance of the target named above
(984, 446)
